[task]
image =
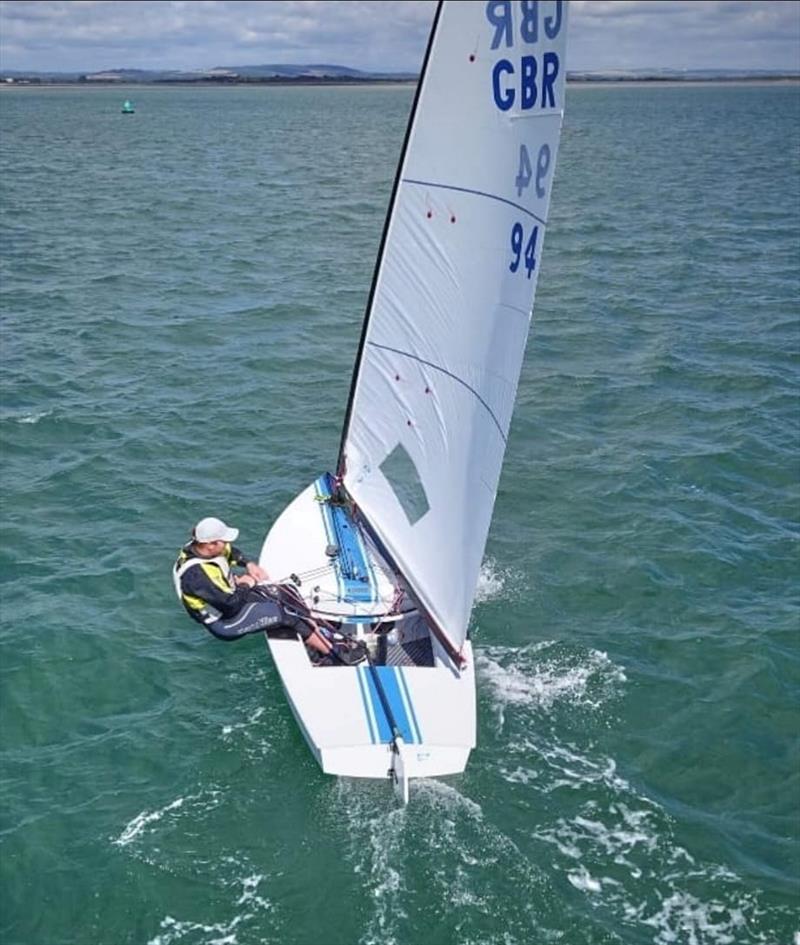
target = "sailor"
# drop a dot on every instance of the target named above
(231, 605)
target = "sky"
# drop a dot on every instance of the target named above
(379, 35)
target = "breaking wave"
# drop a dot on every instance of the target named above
(32, 417)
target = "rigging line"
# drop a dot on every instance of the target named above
(477, 193)
(317, 573)
(436, 367)
(322, 594)
(304, 575)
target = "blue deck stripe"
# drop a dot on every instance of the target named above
(373, 577)
(384, 728)
(388, 678)
(352, 568)
(357, 580)
(362, 688)
(320, 490)
(351, 552)
(404, 685)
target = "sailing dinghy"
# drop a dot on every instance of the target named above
(388, 548)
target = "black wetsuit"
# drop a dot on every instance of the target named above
(261, 611)
(227, 610)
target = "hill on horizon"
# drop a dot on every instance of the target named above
(329, 72)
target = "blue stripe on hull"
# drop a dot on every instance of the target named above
(404, 686)
(365, 700)
(390, 683)
(384, 728)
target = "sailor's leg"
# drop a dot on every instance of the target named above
(252, 618)
(309, 633)
(347, 652)
(263, 597)
(302, 622)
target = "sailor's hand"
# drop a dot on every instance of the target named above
(255, 571)
(245, 580)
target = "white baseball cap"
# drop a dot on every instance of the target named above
(213, 529)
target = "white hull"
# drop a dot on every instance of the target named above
(336, 709)
(347, 713)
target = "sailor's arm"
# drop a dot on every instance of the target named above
(238, 557)
(257, 572)
(196, 583)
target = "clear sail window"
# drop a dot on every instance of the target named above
(402, 476)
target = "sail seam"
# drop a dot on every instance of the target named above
(477, 193)
(437, 367)
(526, 313)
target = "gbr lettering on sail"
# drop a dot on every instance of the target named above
(524, 77)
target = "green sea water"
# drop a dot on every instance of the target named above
(182, 293)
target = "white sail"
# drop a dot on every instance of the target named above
(452, 298)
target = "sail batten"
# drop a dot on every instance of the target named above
(443, 370)
(477, 193)
(449, 311)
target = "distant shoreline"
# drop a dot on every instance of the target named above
(344, 82)
(689, 80)
(282, 83)
(678, 83)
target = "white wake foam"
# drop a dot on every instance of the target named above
(141, 822)
(582, 879)
(608, 840)
(172, 930)
(495, 582)
(545, 674)
(491, 581)
(440, 844)
(251, 719)
(619, 849)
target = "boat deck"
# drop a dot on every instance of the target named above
(417, 652)
(412, 653)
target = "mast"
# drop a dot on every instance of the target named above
(340, 463)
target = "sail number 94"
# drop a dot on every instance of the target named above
(526, 256)
(525, 172)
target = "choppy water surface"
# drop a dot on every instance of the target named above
(182, 292)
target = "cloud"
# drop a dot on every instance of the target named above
(684, 34)
(57, 35)
(80, 35)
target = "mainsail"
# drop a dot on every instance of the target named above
(451, 302)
